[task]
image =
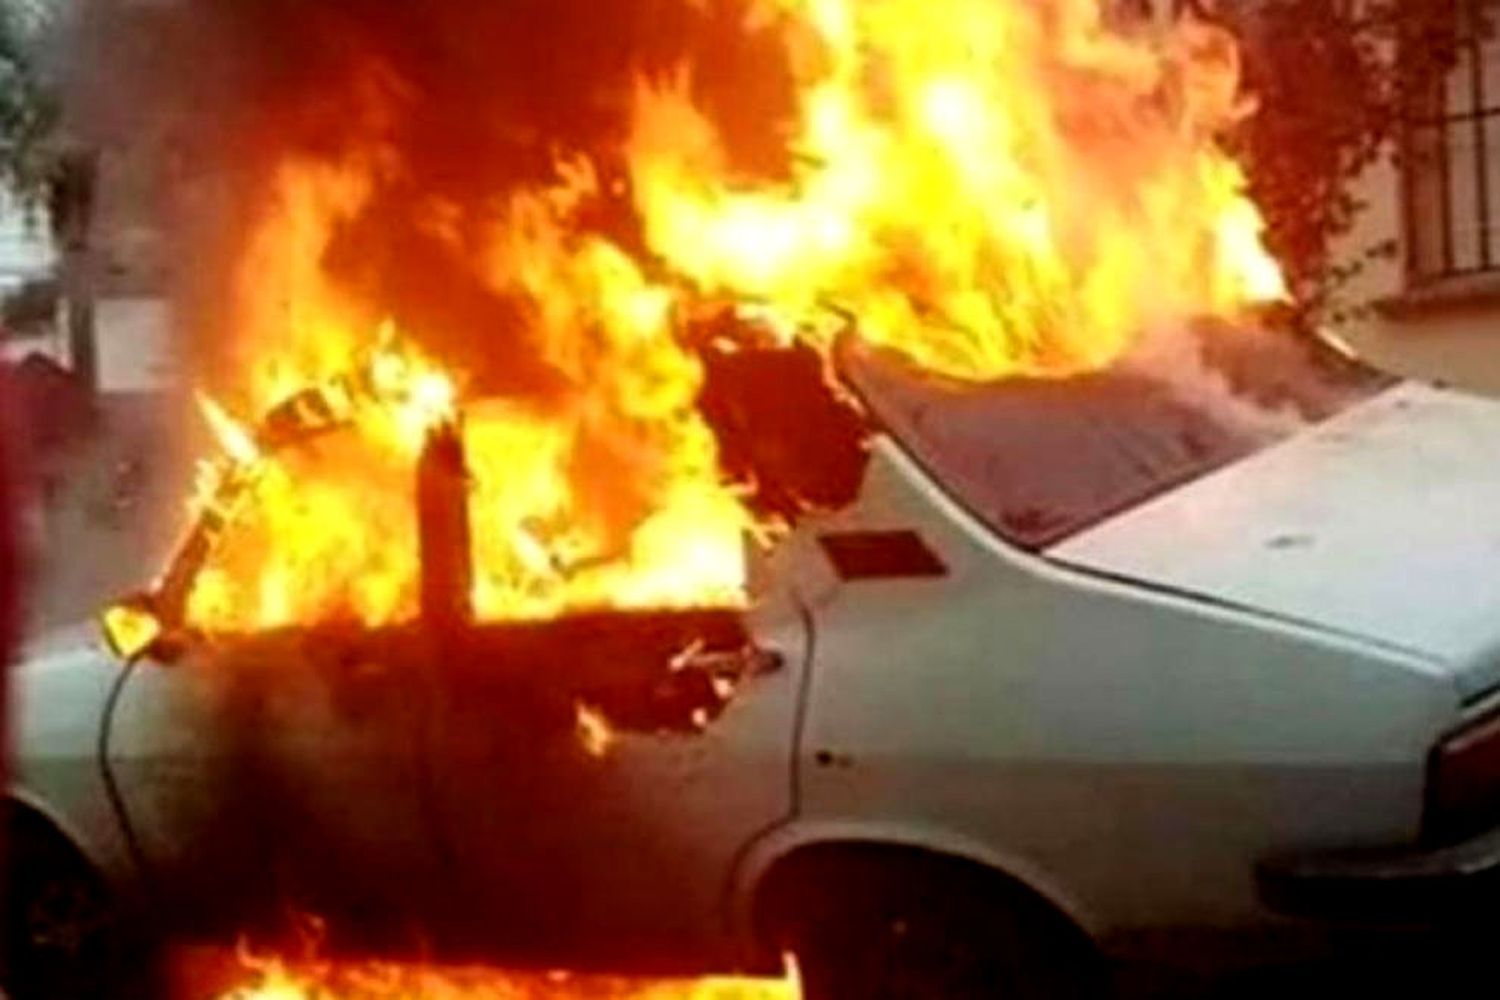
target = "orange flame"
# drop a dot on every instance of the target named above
(1004, 187)
(594, 732)
(277, 979)
(992, 187)
(238, 444)
(609, 497)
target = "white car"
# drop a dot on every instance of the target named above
(1084, 661)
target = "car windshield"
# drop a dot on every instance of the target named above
(1039, 460)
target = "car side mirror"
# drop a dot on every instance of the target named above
(132, 628)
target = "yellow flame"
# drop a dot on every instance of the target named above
(237, 442)
(609, 495)
(275, 979)
(130, 629)
(1009, 187)
(1005, 187)
(594, 731)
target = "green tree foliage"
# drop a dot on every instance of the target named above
(1337, 82)
(28, 109)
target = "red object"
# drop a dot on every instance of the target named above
(9, 548)
(10, 563)
(1463, 788)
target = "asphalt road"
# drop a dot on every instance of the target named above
(1453, 963)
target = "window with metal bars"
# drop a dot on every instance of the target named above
(1452, 175)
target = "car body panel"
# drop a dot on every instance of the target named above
(1139, 748)
(275, 780)
(624, 856)
(278, 779)
(1380, 523)
(901, 833)
(58, 692)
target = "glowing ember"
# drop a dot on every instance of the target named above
(1008, 187)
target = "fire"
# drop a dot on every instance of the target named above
(608, 495)
(280, 981)
(997, 187)
(321, 979)
(992, 188)
(594, 732)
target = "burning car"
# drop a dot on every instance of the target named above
(998, 711)
(869, 517)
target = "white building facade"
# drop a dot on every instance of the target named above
(1434, 308)
(26, 250)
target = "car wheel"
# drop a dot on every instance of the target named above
(64, 936)
(874, 933)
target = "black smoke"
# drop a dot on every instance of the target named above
(470, 100)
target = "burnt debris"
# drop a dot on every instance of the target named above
(446, 542)
(784, 428)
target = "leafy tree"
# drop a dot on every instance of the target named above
(1337, 82)
(29, 109)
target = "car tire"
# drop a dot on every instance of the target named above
(64, 936)
(870, 929)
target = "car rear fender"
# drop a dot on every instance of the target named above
(777, 846)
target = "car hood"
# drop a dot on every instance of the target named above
(1382, 523)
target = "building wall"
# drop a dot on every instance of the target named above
(1431, 312)
(25, 246)
(132, 320)
(1448, 330)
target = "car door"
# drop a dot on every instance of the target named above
(573, 846)
(280, 776)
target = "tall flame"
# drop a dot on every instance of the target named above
(992, 187)
(604, 493)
